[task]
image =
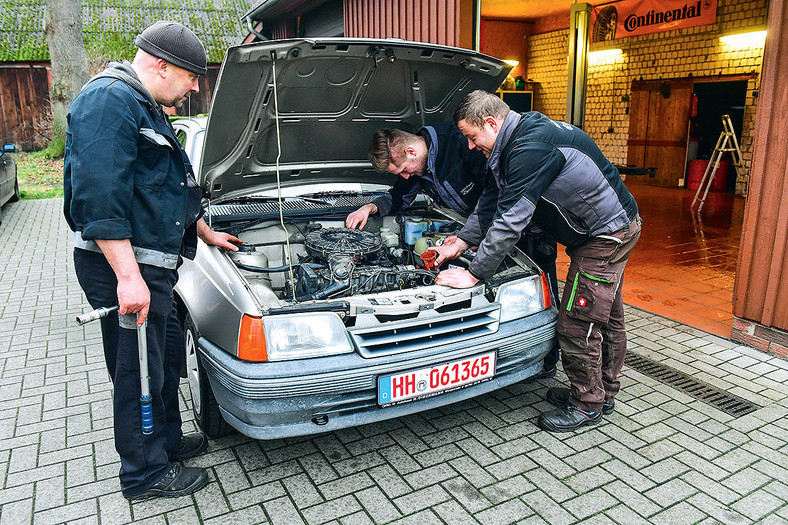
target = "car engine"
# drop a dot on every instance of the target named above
(336, 262)
(351, 262)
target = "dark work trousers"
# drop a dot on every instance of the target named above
(591, 317)
(543, 251)
(143, 458)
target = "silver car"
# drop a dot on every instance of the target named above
(312, 327)
(9, 185)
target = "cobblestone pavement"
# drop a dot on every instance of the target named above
(662, 457)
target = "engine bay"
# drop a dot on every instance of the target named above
(329, 261)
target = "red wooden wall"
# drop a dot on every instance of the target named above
(24, 106)
(761, 289)
(436, 21)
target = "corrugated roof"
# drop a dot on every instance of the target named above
(111, 26)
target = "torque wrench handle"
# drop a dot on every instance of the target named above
(98, 313)
(146, 402)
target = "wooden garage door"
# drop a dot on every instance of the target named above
(659, 116)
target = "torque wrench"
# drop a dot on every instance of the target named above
(98, 313)
(146, 402)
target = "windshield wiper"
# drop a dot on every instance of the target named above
(343, 193)
(248, 199)
(317, 200)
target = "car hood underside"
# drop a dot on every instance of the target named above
(330, 95)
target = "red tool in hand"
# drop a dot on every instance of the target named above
(429, 258)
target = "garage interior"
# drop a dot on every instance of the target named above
(684, 267)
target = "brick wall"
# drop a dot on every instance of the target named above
(547, 63)
(695, 51)
(764, 338)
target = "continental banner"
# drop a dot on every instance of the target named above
(640, 17)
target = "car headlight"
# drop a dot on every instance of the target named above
(522, 297)
(301, 336)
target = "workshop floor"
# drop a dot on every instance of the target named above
(683, 268)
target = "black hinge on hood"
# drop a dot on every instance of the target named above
(374, 51)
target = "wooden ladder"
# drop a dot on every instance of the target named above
(726, 143)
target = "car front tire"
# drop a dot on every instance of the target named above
(204, 405)
(15, 196)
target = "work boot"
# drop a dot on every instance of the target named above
(567, 418)
(560, 396)
(190, 445)
(179, 481)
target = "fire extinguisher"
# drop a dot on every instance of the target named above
(693, 105)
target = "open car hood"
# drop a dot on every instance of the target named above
(331, 95)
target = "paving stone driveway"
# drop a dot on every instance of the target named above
(662, 457)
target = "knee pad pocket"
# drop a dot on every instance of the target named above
(592, 295)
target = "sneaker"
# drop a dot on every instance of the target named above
(544, 373)
(179, 481)
(191, 445)
(560, 396)
(567, 418)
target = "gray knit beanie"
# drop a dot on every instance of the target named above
(176, 44)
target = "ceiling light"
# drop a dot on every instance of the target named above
(604, 56)
(751, 39)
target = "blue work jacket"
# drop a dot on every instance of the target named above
(126, 175)
(455, 176)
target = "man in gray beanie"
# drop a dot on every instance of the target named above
(174, 43)
(132, 200)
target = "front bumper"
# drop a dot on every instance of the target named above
(283, 399)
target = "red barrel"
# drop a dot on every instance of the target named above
(698, 167)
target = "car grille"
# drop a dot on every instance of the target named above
(428, 330)
(255, 209)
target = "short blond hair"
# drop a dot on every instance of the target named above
(388, 144)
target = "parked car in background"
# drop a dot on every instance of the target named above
(9, 185)
(310, 326)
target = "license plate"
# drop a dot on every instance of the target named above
(431, 381)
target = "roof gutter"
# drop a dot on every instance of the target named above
(270, 8)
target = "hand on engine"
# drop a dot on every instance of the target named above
(358, 219)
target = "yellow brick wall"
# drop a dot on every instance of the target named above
(547, 64)
(695, 51)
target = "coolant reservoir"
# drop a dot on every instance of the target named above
(389, 238)
(260, 282)
(425, 241)
(248, 255)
